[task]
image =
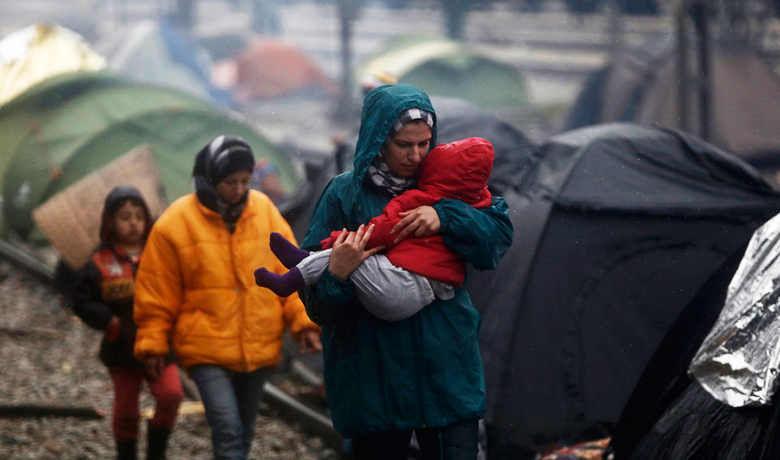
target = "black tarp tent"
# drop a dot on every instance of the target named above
(642, 86)
(665, 378)
(616, 227)
(459, 119)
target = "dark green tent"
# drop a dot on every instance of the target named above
(71, 126)
(442, 67)
(22, 117)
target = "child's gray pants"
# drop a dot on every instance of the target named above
(388, 292)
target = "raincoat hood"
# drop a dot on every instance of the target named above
(381, 109)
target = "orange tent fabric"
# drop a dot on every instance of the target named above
(272, 68)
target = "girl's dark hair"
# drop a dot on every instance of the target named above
(114, 200)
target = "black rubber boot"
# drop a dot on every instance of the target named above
(127, 450)
(157, 443)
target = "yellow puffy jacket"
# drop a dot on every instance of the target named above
(196, 285)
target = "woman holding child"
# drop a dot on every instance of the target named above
(422, 374)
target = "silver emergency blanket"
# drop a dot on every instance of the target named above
(738, 361)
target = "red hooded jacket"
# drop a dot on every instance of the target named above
(457, 170)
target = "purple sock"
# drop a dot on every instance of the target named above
(282, 285)
(287, 253)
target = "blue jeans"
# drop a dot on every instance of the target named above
(232, 402)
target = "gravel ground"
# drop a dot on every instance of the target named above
(50, 358)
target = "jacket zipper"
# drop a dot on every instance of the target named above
(240, 297)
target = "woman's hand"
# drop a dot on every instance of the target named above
(423, 221)
(349, 251)
(155, 366)
(310, 341)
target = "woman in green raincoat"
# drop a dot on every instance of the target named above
(422, 374)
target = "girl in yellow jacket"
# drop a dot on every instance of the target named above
(195, 287)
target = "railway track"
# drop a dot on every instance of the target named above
(283, 395)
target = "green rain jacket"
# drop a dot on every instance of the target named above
(423, 371)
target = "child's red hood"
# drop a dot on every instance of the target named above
(459, 170)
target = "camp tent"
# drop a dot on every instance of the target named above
(443, 67)
(173, 137)
(72, 126)
(665, 378)
(458, 119)
(159, 53)
(37, 52)
(58, 114)
(616, 227)
(614, 92)
(271, 68)
(642, 86)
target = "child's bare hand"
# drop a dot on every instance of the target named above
(112, 331)
(155, 366)
(423, 221)
(349, 251)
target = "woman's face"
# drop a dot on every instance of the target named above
(406, 150)
(233, 187)
(129, 224)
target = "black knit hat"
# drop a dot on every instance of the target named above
(222, 157)
(118, 195)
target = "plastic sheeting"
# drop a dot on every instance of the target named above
(738, 361)
(670, 415)
(665, 378)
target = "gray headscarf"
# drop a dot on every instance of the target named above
(379, 172)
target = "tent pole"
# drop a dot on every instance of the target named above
(615, 27)
(348, 12)
(681, 12)
(700, 14)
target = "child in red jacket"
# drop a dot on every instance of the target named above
(410, 273)
(102, 296)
